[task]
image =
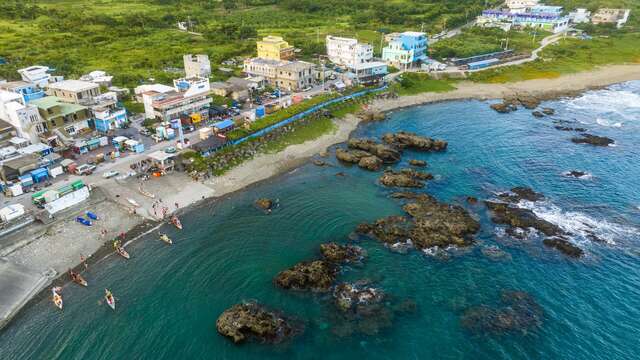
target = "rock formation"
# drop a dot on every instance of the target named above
(316, 275)
(403, 139)
(386, 153)
(417, 163)
(372, 163)
(340, 254)
(519, 313)
(264, 204)
(564, 246)
(593, 140)
(252, 321)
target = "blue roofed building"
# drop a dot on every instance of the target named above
(405, 49)
(29, 91)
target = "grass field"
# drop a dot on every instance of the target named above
(416, 83)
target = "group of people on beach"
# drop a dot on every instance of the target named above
(159, 206)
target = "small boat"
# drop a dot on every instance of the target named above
(57, 298)
(77, 278)
(111, 300)
(120, 250)
(91, 215)
(133, 202)
(166, 239)
(83, 221)
(175, 221)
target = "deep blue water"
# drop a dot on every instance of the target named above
(170, 297)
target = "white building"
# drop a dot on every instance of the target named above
(579, 16)
(39, 75)
(197, 65)
(369, 73)
(23, 117)
(517, 6)
(98, 77)
(189, 97)
(348, 52)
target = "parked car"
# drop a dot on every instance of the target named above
(145, 132)
(170, 150)
(109, 174)
(156, 138)
(85, 169)
(307, 89)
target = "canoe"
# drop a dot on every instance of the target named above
(166, 239)
(175, 221)
(91, 215)
(83, 221)
(79, 280)
(133, 202)
(57, 298)
(111, 300)
(122, 252)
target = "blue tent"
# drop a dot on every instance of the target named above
(40, 175)
(224, 125)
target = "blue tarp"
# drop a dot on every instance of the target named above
(224, 124)
(39, 175)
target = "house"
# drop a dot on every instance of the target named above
(274, 48)
(197, 65)
(98, 77)
(39, 75)
(289, 75)
(107, 114)
(236, 88)
(579, 16)
(24, 117)
(158, 88)
(61, 118)
(188, 97)
(548, 18)
(74, 91)
(611, 16)
(369, 73)
(519, 6)
(406, 49)
(347, 52)
(29, 91)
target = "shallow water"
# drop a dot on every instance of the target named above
(170, 297)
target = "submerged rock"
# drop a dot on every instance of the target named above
(354, 297)
(563, 246)
(319, 162)
(495, 253)
(338, 254)
(372, 163)
(519, 313)
(472, 200)
(567, 128)
(316, 275)
(386, 153)
(576, 173)
(503, 108)
(390, 230)
(593, 140)
(252, 321)
(548, 111)
(265, 204)
(417, 163)
(521, 193)
(403, 139)
(537, 114)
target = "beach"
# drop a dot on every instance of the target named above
(61, 245)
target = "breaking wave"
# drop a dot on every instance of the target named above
(606, 123)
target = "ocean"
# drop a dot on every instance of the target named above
(169, 297)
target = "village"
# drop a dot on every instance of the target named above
(67, 145)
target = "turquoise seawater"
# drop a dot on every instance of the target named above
(170, 297)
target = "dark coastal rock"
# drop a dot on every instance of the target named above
(319, 162)
(417, 163)
(372, 163)
(431, 223)
(386, 153)
(548, 111)
(537, 114)
(472, 200)
(252, 321)
(529, 102)
(351, 156)
(593, 140)
(521, 193)
(421, 175)
(563, 246)
(503, 108)
(576, 173)
(403, 139)
(502, 213)
(340, 174)
(400, 179)
(316, 275)
(568, 128)
(339, 254)
(264, 204)
(519, 313)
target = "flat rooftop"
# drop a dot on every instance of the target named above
(73, 85)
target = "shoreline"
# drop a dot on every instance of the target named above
(266, 166)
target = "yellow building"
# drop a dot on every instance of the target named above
(274, 48)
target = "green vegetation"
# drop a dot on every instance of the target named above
(416, 83)
(569, 56)
(476, 41)
(280, 115)
(301, 133)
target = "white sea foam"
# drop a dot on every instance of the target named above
(603, 122)
(612, 107)
(581, 226)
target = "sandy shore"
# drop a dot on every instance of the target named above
(59, 247)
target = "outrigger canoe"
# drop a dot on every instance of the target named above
(111, 301)
(176, 222)
(57, 298)
(166, 239)
(77, 278)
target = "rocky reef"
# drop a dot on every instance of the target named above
(252, 321)
(417, 163)
(519, 313)
(537, 114)
(341, 254)
(386, 153)
(317, 275)
(408, 140)
(430, 223)
(408, 178)
(593, 140)
(507, 214)
(561, 244)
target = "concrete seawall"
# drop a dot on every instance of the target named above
(17, 286)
